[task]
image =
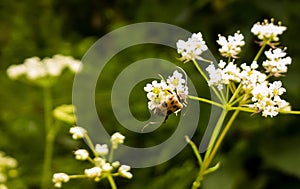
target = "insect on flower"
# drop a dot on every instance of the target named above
(167, 96)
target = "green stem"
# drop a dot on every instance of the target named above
(90, 144)
(206, 101)
(260, 51)
(220, 139)
(202, 171)
(195, 150)
(236, 92)
(244, 109)
(290, 112)
(49, 139)
(111, 182)
(111, 154)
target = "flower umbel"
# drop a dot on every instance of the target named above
(246, 87)
(43, 71)
(102, 168)
(277, 63)
(192, 48)
(268, 31)
(231, 46)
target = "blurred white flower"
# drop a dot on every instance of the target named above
(115, 164)
(101, 150)
(59, 178)
(117, 138)
(93, 172)
(107, 167)
(77, 132)
(124, 171)
(81, 154)
(192, 48)
(34, 68)
(3, 186)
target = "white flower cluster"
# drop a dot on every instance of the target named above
(157, 92)
(266, 98)
(268, 31)
(8, 167)
(223, 74)
(192, 48)
(258, 92)
(231, 46)
(277, 63)
(34, 68)
(102, 168)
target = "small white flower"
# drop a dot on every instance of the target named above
(276, 88)
(115, 164)
(81, 154)
(93, 172)
(77, 132)
(99, 162)
(59, 178)
(260, 91)
(231, 46)
(101, 150)
(250, 77)
(116, 139)
(124, 171)
(268, 31)
(178, 83)
(107, 167)
(192, 48)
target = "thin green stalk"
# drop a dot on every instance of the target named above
(220, 139)
(202, 171)
(111, 154)
(49, 139)
(90, 144)
(260, 50)
(111, 182)
(244, 109)
(206, 101)
(290, 112)
(236, 100)
(236, 92)
(200, 70)
(195, 150)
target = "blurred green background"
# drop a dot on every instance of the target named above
(258, 153)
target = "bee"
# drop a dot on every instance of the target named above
(173, 103)
(174, 94)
